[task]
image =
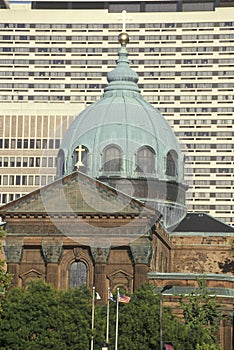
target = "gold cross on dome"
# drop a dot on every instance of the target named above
(79, 151)
(124, 19)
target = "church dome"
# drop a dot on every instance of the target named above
(122, 136)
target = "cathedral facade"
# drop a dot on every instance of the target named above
(116, 214)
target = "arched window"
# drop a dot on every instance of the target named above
(60, 163)
(145, 160)
(171, 163)
(78, 274)
(112, 159)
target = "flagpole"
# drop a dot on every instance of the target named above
(108, 315)
(92, 322)
(117, 321)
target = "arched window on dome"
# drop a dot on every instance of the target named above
(78, 274)
(172, 163)
(112, 159)
(60, 161)
(145, 160)
(80, 158)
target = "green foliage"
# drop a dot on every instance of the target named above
(204, 346)
(40, 317)
(202, 317)
(5, 278)
(139, 322)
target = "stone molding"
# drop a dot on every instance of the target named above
(13, 250)
(52, 251)
(100, 255)
(142, 251)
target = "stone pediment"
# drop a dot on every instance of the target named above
(76, 193)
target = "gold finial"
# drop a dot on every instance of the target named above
(123, 38)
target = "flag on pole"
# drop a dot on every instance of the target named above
(111, 297)
(124, 298)
(97, 296)
(169, 346)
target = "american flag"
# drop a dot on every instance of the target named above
(124, 298)
(169, 346)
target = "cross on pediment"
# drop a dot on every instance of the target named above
(79, 151)
(124, 19)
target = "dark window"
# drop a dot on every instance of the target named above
(5, 163)
(145, 160)
(32, 143)
(172, 163)
(17, 180)
(112, 160)
(57, 143)
(31, 161)
(60, 163)
(6, 143)
(19, 143)
(24, 180)
(25, 162)
(78, 274)
(51, 143)
(37, 161)
(44, 143)
(38, 144)
(25, 143)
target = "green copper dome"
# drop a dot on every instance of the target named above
(122, 136)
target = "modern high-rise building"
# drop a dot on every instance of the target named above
(54, 58)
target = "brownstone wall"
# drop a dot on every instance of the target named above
(199, 254)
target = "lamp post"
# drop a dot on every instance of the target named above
(104, 346)
(160, 314)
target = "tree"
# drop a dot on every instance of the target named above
(5, 278)
(202, 318)
(41, 317)
(139, 322)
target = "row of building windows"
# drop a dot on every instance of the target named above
(210, 182)
(211, 158)
(29, 143)
(26, 162)
(210, 146)
(19, 96)
(115, 25)
(147, 86)
(92, 51)
(201, 121)
(54, 98)
(93, 85)
(209, 170)
(98, 62)
(8, 197)
(205, 133)
(171, 74)
(101, 37)
(25, 180)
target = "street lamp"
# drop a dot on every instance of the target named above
(167, 287)
(104, 346)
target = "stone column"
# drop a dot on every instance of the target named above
(13, 249)
(142, 251)
(100, 256)
(52, 252)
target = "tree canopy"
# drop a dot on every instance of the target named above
(41, 317)
(5, 278)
